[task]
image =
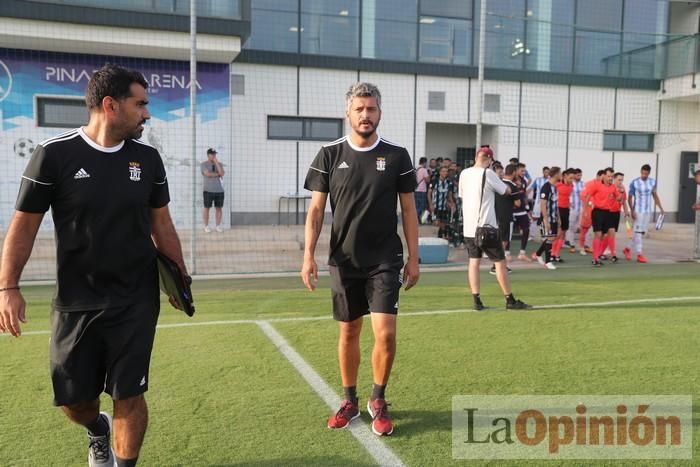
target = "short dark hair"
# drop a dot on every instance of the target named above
(511, 168)
(447, 159)
(609, 169)
(617, 174)
(646, 167)
(513, 160)
(599, 173)
(578, 171)
(521, 165)
(422, 160)
(545, 168)
(554, 171)
(111, 81)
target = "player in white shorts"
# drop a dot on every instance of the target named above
(641, 193)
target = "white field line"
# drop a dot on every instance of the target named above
(378, 450)
(410, 313)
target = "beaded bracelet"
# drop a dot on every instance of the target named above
(16, 287)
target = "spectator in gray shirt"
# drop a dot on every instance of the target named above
(213, 186)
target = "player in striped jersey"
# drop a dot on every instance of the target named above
(536, 187)
(549, 219)
(641, 193)
(575, 210)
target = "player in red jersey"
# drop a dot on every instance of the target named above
(564, 189)
(618, 202)
(586, 212)
(601, 194)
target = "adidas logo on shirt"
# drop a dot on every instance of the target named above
(81, 174)
(343, 165)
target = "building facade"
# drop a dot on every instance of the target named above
(574, 83)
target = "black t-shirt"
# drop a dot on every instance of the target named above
(100, 200)
(363, 184)
(505, 203)
(550, 194)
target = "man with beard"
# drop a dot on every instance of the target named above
(601, 194)
(642, 199)
(108, 195)
(364, 174)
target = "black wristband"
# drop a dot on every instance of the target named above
(3, 289)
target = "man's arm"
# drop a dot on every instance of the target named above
(544, 215)
(411, 271)
(165, 237)
(17, 247)
(657, 201)
(312, 230)
(219, 168)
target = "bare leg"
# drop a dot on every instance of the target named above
(219, 214)
(502, 277)
(474, 279)
(349, 351)
(83, 413)
(205, 216)
(384, 327)
(130, 422)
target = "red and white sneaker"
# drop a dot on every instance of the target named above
(641, 259)
(381, 421)
(348, 412)
(628, 253)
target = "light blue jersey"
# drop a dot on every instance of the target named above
(642, 191)
(575, 198)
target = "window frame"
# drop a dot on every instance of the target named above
(39, 113)
(306, 127)
(624, 147)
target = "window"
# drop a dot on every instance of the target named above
(628, 141)
(274, 25)
(389, 29)
(304, 128)
(436, 100)
(237, 85)
(492, 102)
(330, 27)
(445, 40)
(447, 8)
(61, 112)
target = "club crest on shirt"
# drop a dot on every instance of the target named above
(381, 163)
(134, 171)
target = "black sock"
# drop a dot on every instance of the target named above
(126, 462)
(350, 393)
(477, 297)
(378, 391)
(510, 298)
(548, 253)
(99, 427)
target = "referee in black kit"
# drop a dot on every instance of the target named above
(108, 195)
(363, 173)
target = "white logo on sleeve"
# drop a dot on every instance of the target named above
(81, 174)
(343, 165)
(143, 381)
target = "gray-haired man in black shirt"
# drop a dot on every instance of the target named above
(363, 174)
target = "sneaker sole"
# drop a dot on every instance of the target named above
(346, 425)
(369, 410)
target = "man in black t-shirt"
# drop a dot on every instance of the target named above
(505, 205)
(108, 195)
(363, 174)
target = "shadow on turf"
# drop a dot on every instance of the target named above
(299, 461)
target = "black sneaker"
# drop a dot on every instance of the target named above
(596, 264)
(478, 305)
(603, 257)
(557, 259)
(517, 305)
(613, 259)
(492, 271)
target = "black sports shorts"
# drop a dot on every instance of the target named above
(103, 350)
(505, 230)
(216, 198)
(600, 220)
(552, 232)
(360, 291)
(564, 218)
(443, 215)
(494, 254)
(614, 220)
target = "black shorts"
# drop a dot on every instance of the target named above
(600, 219)
(564, 218)
(443, 215)
(522, 221)
(614, 220)
(360, 291)
(216, 198)
(505, 230)
(552, 232)
(494, 254)
(104, 350)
